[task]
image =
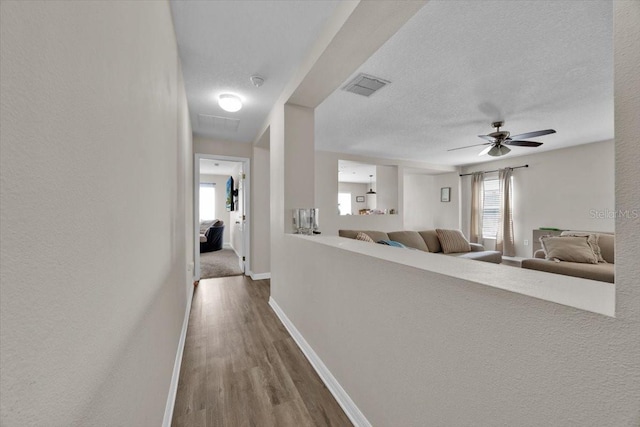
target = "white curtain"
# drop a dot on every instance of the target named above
(504, 239)
(477, 207)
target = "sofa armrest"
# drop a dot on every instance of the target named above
(476, 247)
(540, 254)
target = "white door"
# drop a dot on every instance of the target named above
(240, 222)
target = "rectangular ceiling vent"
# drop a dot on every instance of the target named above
(365, 85)
(221, 123)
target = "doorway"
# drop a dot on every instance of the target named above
(221, 216)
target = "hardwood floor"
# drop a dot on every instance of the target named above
(241, 367)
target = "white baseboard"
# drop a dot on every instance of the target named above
(258, 276)
(173, 388)
(355, 415)
(227, 245)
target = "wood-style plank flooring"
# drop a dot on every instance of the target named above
(242, 368)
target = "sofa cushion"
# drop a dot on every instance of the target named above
(601, 272)
(607, 247)
(409, 238)
(430, 238)
(452, 241)
(364, 237)
(375, 235)
(592, 239)
(486, 256)
(606, 243)
(571, 248)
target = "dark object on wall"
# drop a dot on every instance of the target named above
(230, 194)
(214, 235)
(359, 199)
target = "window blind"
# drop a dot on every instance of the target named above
(491, 209)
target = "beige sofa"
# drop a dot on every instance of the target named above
(603, 272)
(426, 241)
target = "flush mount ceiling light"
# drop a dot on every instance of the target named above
(229, 102)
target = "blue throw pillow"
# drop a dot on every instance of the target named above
(391, 243)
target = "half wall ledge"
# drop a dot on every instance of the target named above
(583, 294)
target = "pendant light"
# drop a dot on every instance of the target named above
(371, 196)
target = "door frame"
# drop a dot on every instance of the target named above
(246, 229)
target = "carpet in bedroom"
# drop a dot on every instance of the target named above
(222, 263)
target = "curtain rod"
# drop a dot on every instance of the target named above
(497, 170)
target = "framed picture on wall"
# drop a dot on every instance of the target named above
(230, 194)
(359, 199)
(445, 194)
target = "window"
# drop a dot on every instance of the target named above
(207, 201)
(344, 203)
(491, 208)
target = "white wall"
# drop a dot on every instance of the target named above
(95, 172)
(260, 207)
(419, 202)
(388, 186)
(204, 145)
(423, 208)
(221, 201)
(446, 214)
(560, 188)
(356, 190)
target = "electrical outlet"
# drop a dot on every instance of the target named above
(526, 242)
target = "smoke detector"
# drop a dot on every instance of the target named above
(257, 80)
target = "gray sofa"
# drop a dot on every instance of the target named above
(425, 241)
(603, 272)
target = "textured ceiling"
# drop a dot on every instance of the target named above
(457, 66)
(356, 172)
(217, 167)
(222, 43)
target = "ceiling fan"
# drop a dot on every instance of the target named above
(499, 140)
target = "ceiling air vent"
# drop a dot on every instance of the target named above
(221, 123)
(365, 85)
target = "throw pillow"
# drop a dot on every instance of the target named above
(570, 248)
(364, 237)
(204, 226)
(392, 243)
(453, 241)
(593, 241)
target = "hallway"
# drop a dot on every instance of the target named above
(241, 368)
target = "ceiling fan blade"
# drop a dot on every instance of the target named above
(523, 143)
(487, 137)
(485, 151)
(533, 134)
(468, 146)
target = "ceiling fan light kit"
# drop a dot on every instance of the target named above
(498, 141)
(498, 150)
